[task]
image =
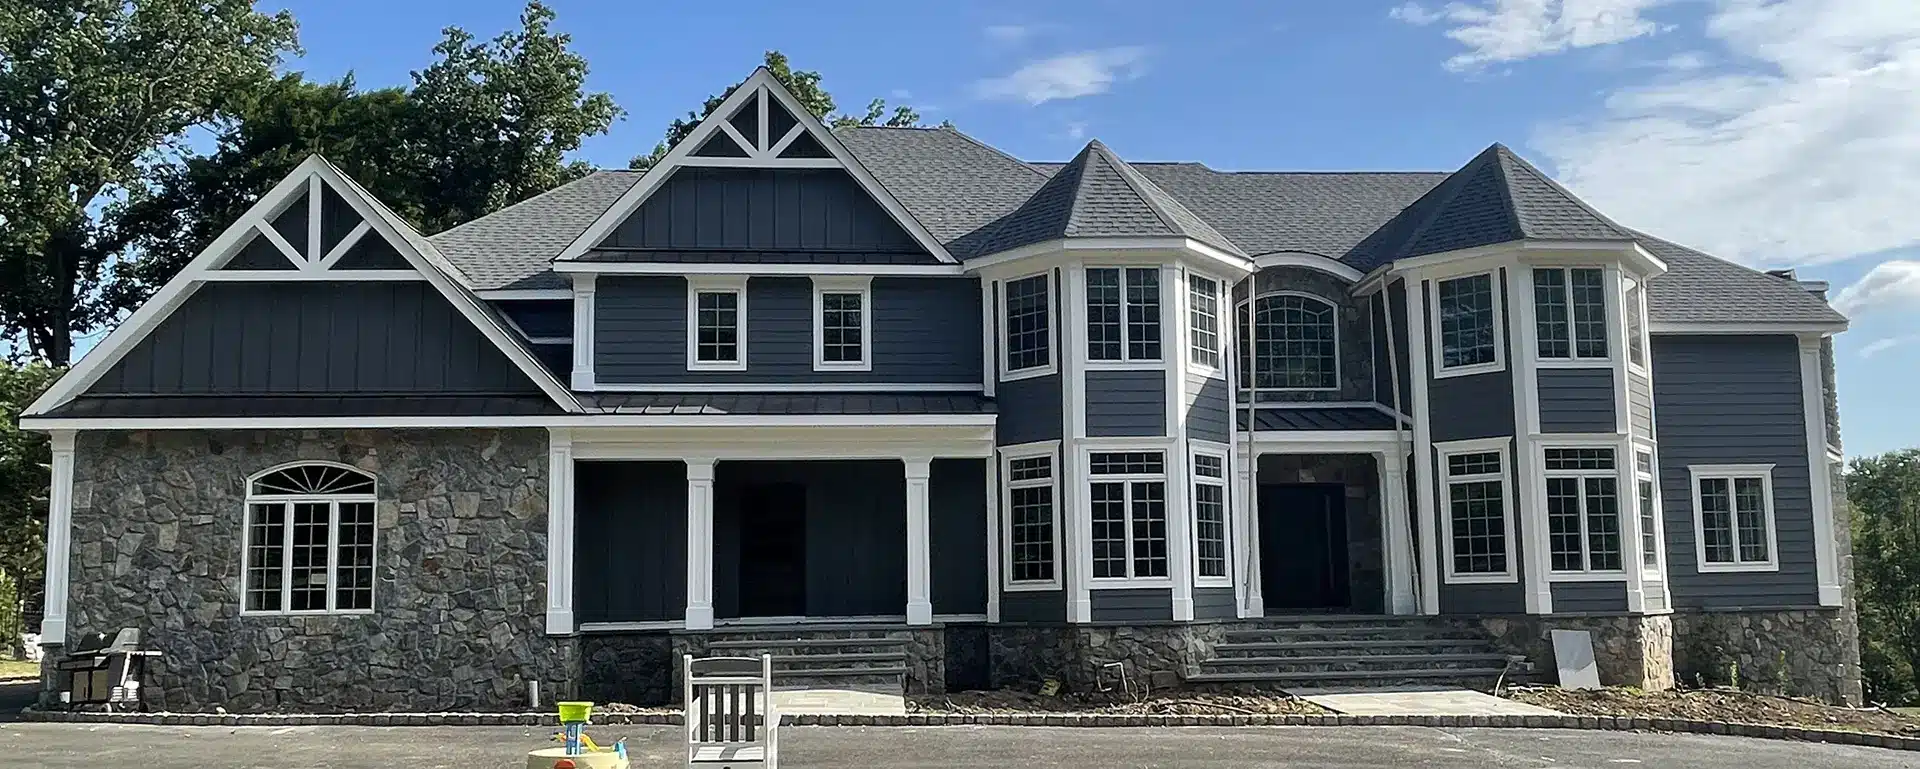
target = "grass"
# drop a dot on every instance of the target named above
(19, 669)
(1915, 712)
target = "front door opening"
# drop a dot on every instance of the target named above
(1303, 547)
(773, 550)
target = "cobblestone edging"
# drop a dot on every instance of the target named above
(1603, 723)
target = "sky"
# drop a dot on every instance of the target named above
(1777, 133)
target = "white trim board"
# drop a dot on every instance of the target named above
(757, 268)
(549, 421)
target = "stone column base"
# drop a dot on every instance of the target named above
(1629, 649)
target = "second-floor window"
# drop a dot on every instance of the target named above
(1203, 321)
(1635, 309)
(1570, 312)
(1467, 324)
(1289, 342)
(1029, 325)
(715, 324)
(1123, 313)
(843, 325)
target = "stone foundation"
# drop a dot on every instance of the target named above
(1799, 652)
(637, 669)
(1083, 657)
(1629, 649)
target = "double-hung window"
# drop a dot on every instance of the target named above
(1733, 517)
(1033, 540)
(716, 324)
(1466, 325)
(1479, 512)
(1570, 312)
(309, 541)
(1647, 486)
(1583, 510)
(842, 325)
(1123, 313)
(1210, 518)
(1203, 321)
(1028, 324)
(1128, 496)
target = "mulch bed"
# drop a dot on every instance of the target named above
(1719, 705)
(1183, 702)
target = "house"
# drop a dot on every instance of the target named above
(953, 417)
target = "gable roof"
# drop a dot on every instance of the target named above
(1698, 288)
(513, 248)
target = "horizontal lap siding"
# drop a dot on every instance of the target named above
(1476, 406)
(1126, 403)
(1734, 400)
(957, 512)
(1640, 405)
(1214, 603)
(1207, 416)
(1131, 605)
(1033, 606)
(1576, 400)
(630, 541)
(1029, 410)
(1482, 599)
(1569, 597)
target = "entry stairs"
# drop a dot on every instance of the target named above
(866, 657)
(1358, 651)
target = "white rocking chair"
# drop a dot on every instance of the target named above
(731, 721)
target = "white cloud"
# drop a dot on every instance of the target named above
(1890, 285)
(1077, 130)
(899, 93)
(1496, 31)
(1878, 346)
(1067, 76)
(1009, 34)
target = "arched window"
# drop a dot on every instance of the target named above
(309, 546)
(1289, 343)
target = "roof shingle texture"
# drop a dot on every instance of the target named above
(515, 246)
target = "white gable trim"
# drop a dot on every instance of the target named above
(681, 155)
(205, 267)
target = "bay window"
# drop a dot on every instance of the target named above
(1583, 510)
(1466, 325)
(1210, 518)
(1123, 313)
(1570, 312)
(1128, 498)
(1031, 520)
(1203, 321)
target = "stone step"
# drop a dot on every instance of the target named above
(1313, 648)
(1350, 634)
(1355, 663)
(783, 650)
(1373, 678)
(819, 662)
(732, 642)
(893, 679)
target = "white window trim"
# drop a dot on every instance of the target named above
(1050, 450)
(1658, 570)
(1504, 447)
(1222, 315)
(861, 286)
(1227, 511)
(1440, 369)
(1126, 335)
(1697, 473)
(1573, 359)
(333, 502)
(716, 284)
(1645, 365)
(1126, 480)
(1620, 498)
(1252, 388)
(1052, 365)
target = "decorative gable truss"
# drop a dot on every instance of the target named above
(314, 225)
(759, 125)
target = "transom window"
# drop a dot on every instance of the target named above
(1032, 542)
(1467, 324)
(1648, 488)
(1583, 510)
(717, 315)
(1028, 324)
(1733, 517)
(1570, 312)
(310, 540)
(1128, 495)
(1203, 321)
(1123, 313)
(1210, 517)
(1478, 520)
(1291, 344)
(843, 325)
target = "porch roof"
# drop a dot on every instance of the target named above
(1320, 418)
(791, 403)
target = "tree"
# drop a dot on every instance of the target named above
(25, 466)
(1884, 493)
(805, 86)
(93, 94)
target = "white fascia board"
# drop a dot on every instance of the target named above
(758, 268)
(551, 421)
(1324, 264)
(1146, 250)
(518, 294)
(1547, 249)
(1736, 328)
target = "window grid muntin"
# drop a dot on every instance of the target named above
(1028, 323)
(1479, 546)
(1143, 313)
(1209, 466)
(1109, 539)
(1734, 524)
(1127, 463)
(717, 326)
(1030, 533)
(1030, 469)
(842, 324)
(1203, 321)
(1148, 528)
(1579, 459)
(1123, 313)
(1583, 510)
(1550, 312)
(1210, 529)
(1291, 342)
(309, 553)
(1570, 312)
(1589, 300)
(1106, 334)
(1469, 332)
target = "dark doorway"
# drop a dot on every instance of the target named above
(1303, 547)
(773, 550)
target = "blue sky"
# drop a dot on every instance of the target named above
(1775, 132)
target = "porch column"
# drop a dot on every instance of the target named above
(699, 543)
(1398, 529)
(1256, 601)
(919, 573)
(53, 621)
(559, 531)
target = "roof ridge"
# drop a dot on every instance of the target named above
(1127, 174)
(1523, 165)
(990, 148)
(1500, 155)
(530, 199)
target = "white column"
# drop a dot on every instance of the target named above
(1398, 530)
(919, 568)
(53, 621)
(1530, 496)
(1256, 597)
(993, 538)
(1826, 562)
(559, 531)
(583, 331)
(1180, 541)
(1417, 341)
(699, 543)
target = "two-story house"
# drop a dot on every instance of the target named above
(899, 406)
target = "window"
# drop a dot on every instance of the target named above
(1635, 309)
(310, 540)
(1733, 517)
(717, 312)
(1203, 321)
(1478, 521)
(1648, 488)
(1570, 312)
(1290, 344)
(1029, 327)
(843, 325)
(1467, 323)
(1128, 495)
(1123, 313)
(1032, 542)
(1583, 510)
(1210, 517)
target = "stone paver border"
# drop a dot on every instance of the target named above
(1603, 723)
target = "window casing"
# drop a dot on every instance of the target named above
(1584, 535)
(1123, 313)
(1289, 342)
(1031, 516)
(1635, 308)
(1733, 518)
(716, 324)
(1479, 512)
(310, 541)
(1647, 493)
(1570, 313)
(1127, 495)
(1465, 323)
(1027, 325)
(1210, 520)
(1203, 321)
(842, 325)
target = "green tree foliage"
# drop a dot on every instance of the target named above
(93, 95)
(25, 461)
(805, 85)
(1884, 493)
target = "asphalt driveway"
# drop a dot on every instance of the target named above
(36, 746)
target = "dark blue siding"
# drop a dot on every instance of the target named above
(1130, 403)
(853, 507)
(768, 213)
(1503, 598)
(630, 541)
(1033, 606)
(1214, 603)
(1207, 416)
(1576, 400)
(1134, 605)
(1573, 597)
(957, 511)
(1476, 406)
(1029, 410)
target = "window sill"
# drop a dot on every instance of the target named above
(320, 613)
(717, 366)
(1600, 363)
(1735, 568)
(1586, 576)
(1482, 579)
(863, 366)
(1148, 364)
(1126, 583)
(1478, 368)
(1213, 582)
(1030, 587)
(1028, 373)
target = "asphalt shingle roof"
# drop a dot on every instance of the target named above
(514, 246)
(1698, 288)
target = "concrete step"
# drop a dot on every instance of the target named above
(1376, 678)
(1316, 648)
(785, 650)
(1351, 634)
(789, 641)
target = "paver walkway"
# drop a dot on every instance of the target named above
(839, 702)
(1419, 702)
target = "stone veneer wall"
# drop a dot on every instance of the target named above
(1800, 652)
(1629, 649)
(458, 620)
(1158, 655)
(1366, 545)
(1352, 324)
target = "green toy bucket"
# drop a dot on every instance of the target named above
(575, 712)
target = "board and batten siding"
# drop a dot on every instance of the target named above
(925, 331)
(314, 337)
(1578, 597)
(1126, 402)
(1131, 605)
(1734, 400)
(630, 541)
(1576, 400)
(1206, 417)
(767, 215)
(957, 536)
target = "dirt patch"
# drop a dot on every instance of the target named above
(621, 708)
(1183, 702)
(1719, 705)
